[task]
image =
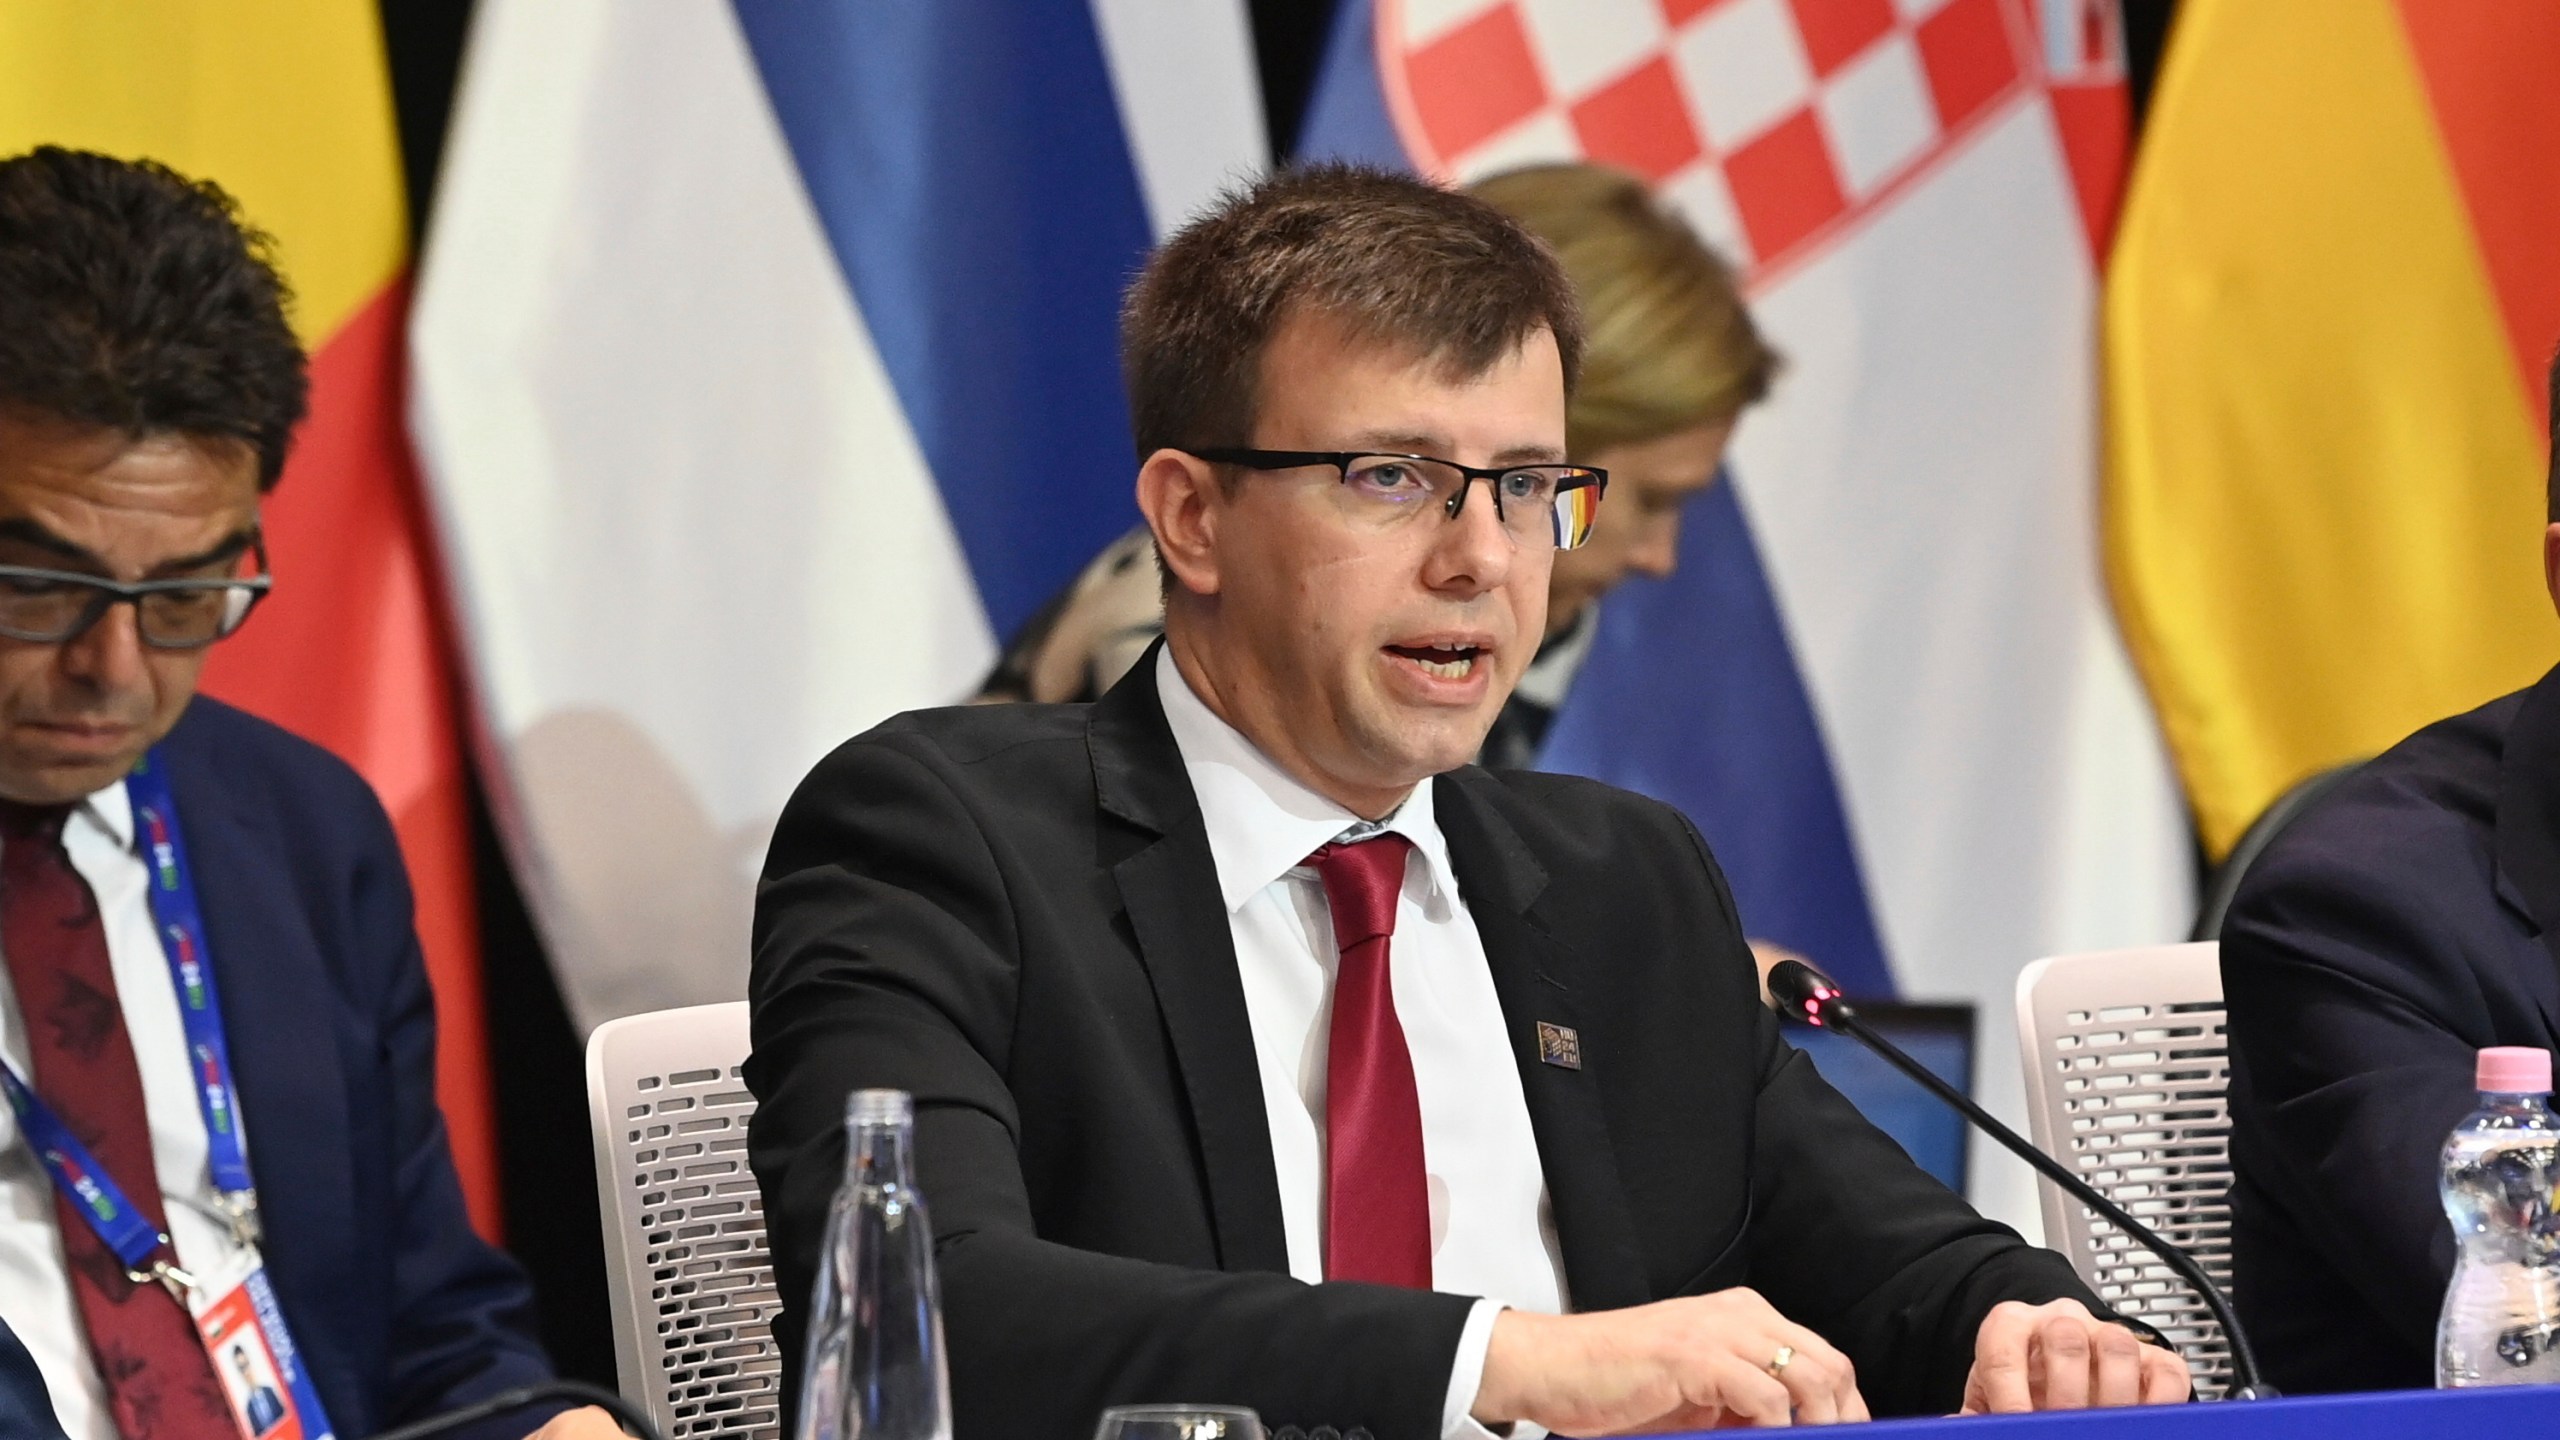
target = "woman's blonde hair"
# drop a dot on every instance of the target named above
(1668, 344)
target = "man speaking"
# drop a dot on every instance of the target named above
(1266, 1051)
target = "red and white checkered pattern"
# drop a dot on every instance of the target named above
(1770, 123)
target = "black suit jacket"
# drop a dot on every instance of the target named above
(2391, 932)
(1012, 912)
(398, 1309)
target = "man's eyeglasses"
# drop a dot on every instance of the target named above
(1538, 504)
(48, 607)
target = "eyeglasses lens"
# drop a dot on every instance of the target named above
(1389, 489)
(48, 609)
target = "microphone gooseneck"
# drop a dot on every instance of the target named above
(1806, 994)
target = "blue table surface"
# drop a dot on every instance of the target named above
(2516, 1411)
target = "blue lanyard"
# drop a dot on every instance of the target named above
(120, 1225)
(180, 919)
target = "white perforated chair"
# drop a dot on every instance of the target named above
(685, 1259)
(2126, 1069)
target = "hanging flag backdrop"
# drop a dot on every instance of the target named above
(2333, 306)
(767, 369)
(1883, 682)
(287, 104)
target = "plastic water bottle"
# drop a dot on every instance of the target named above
(2501, 1321)
(875, 1362)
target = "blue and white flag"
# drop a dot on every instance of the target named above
(1885, 681)
(765, 369)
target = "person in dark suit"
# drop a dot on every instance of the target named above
(262, 1407)
(2405, 922)
(149, 386)
(1267, 1051)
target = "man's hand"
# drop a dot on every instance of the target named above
(1688, 1364)
(2058, 1356)
(587, 1422)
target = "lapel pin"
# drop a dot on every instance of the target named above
(1559, 1046)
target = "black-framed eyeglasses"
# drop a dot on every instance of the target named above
(1537, 504)
(49, 607)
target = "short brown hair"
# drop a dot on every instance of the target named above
(1671, 345)
(1392, 259)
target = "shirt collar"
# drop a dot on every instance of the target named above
(1262, 822)
(111, 811)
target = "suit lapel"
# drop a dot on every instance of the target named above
(276, 1016)
(2528, 828)
(1536, 976)
(1159, 855)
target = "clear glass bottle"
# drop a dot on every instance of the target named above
(2501, 1318)
(875, 1361)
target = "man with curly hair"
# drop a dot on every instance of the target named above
(218, 1038)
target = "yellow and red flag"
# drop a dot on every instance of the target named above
(2332, 300)
(287, 104)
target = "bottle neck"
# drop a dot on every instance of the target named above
(2523, 1101)
(879, 1152)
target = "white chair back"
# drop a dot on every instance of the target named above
(2126, 1069)
(686, 1265)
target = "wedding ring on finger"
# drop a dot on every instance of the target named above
(1779, 1362)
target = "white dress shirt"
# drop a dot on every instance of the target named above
(35, 1285)
(1492, 1234)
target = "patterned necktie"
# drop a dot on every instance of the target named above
(159, 1382)
(1377, 1205)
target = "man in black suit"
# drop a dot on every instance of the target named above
(2407, 921)
(1265, 1050)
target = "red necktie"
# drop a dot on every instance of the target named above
(159, 1383)
(1377, 1207)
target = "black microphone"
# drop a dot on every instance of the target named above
(1804, 993)
(505, 1400)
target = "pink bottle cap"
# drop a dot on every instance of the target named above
(2515, 1070)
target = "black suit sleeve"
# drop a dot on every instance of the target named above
(887, 956)
(2356, 1011)
(1854, 1240)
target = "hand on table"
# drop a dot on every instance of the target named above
(1690, 1364)
(2058, 1356)
(587, 1422)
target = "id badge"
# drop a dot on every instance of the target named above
(243, 1332)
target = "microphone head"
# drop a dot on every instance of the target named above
(1803, 992)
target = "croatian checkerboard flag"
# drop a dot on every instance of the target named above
(765, 368)
(1885, 681)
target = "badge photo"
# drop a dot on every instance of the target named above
(260, 1398)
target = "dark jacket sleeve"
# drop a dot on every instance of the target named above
(26, 1407)
(461, 1312)
(1851, 1238)
(1854, 1240)
(2358, 995)
(887, 955)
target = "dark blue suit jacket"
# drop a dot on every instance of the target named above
(399, 1310)
(2402, 924)
(26, 1407)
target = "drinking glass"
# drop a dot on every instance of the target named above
(1178, 1422)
